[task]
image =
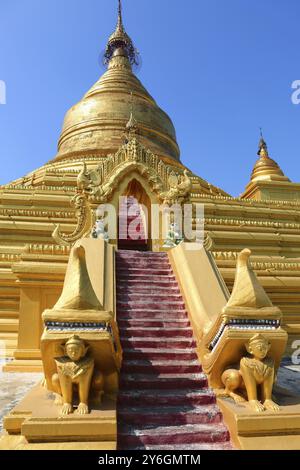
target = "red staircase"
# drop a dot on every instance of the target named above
(130, 213)
(164, 400)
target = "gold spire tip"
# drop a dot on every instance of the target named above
(121, 42)
(262, 147)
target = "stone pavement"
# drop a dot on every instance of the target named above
(288, 378)
(13, 387)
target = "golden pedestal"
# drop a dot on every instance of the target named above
(262, 431)
(37, 419)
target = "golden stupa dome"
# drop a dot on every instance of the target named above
(97, 123)
(266, 168)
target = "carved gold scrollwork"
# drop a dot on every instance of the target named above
(179, 189)
(85, 220)
(99, 183)
(208, 242)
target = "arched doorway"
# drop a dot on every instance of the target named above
(134, 218)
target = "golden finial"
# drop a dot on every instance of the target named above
(120, 41)
(120, 20)
(265, 167)
(262, 148)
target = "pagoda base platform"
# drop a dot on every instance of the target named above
(35, 423)
(262, 431)
(25, 365)
(8, 442)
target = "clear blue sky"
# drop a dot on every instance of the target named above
(219, 68)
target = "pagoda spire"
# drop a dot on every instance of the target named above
(262, 146)
(119, 43)
(266, 168)
(120, 19)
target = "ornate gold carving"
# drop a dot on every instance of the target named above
(252, 223)
(179, 189)
(36, 213)
(99, 184)
(89, 181)
(9, 257)
(47, 249)
(79, 312)
(43, 187)
(258, 265)
(84, 222)
(208, 242)
(248, 312)
(223, 199)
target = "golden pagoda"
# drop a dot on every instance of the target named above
(116, 141)
(32, 206)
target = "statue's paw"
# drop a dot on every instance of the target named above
(221, 393)
(271, 405)
(256, 406)
(44, 383)
(82, 409)
(237, 398)
(67, 409)
(58, 400)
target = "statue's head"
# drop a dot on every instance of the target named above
(75, 348)
(258, 346)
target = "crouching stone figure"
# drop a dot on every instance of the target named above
(74, 369)
(255, 375)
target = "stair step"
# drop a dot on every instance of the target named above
(7, 352)
(161, 384)
(149, 297)
(150, 323)
(143, 263)
(144, 271)
(9, 314)
(133, 313)
(141, 278)
(9, 325)
(163, 381)
(166, 367)
(149, 305)
(137, 267)
(176, 333)
(152, 397)
(158, 342)
(197, 447)
(8, 336)
(142, 289)
(170, 435)
(157, 354)
(162, 283)
(170, 415)
(9, 304)
(125, 254)
(9, 343)
(140, 244)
